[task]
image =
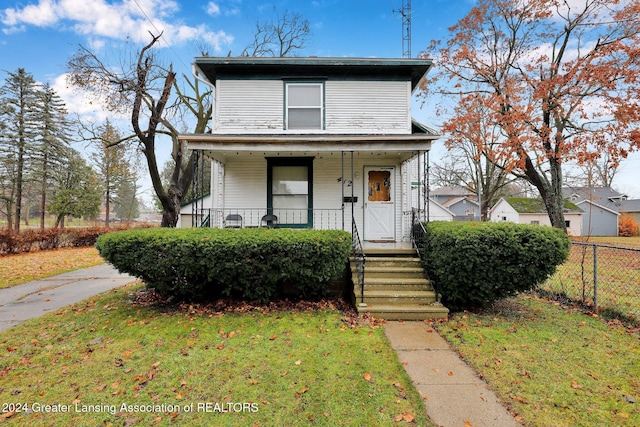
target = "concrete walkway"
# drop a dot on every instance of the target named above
(453, 393)
(33, 299)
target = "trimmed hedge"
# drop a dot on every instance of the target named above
(474, 264)
(253, 264)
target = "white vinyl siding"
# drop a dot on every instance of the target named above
(368, 107)
(245, 183)
(248, 106)
(350, 107)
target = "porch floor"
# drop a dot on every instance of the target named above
(388, 248)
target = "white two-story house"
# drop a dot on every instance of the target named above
(312, 143)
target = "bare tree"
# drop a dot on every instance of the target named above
(144, 89)
(282, 36)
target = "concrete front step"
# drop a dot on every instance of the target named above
(394, 282)
(392, 271)
(393, 262)
(403, 297)
(405, 312)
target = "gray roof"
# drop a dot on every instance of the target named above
(630, 205)
(451, 191)
(314, 67)
(603, 196)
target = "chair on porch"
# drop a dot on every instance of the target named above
(269, 221)
(233, 221)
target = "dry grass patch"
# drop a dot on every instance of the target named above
(22, 268)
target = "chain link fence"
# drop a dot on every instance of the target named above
(604, 278)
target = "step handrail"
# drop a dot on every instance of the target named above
(418, 232)
(359, 257)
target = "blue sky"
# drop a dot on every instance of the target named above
(41, 36)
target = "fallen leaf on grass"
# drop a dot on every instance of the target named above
(404, 417)
(575, 385)
(367, 377)
(301, 392)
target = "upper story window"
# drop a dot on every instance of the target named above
(304, 106)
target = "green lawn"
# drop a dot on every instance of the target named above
(554, 366)
(201, 367)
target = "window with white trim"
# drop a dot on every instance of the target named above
(304, 106)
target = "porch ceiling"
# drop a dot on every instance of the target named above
(221, 147)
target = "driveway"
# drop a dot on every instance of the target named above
(33, 299)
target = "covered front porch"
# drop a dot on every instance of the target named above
(328, 182)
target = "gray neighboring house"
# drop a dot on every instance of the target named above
(602, 207)
(631, 208)
(460, 201)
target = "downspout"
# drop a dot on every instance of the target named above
(195, 73)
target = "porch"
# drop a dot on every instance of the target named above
(362, 184)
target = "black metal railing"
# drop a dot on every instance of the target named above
(418, 232)
(319, 219)
(358, 256)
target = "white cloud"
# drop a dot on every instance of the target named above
(213, 9)
(79, 102)
(121, 20)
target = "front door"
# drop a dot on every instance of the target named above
(379, 206)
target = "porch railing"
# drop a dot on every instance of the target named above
(418, 232)
(319, 219)
(359, 258)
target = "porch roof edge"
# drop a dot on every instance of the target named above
(305, 138)
(317, 143)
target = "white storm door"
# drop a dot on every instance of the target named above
(379, 206)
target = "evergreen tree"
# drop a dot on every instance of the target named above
(78, 192)
(19, 103)
(51, 147)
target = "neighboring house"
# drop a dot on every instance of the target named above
(460, 201)
(316, 142)
(631, 208)
(187, 218)
(601, 206)
(522, 210)
(437, 212)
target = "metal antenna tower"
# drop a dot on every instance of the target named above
(406, 28)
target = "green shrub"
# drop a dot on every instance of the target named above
(474, 264)
(254, 264)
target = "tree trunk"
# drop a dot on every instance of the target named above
(19, 184)
(43, 198)
(551, 192)
(107, 205)
(171, 211)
